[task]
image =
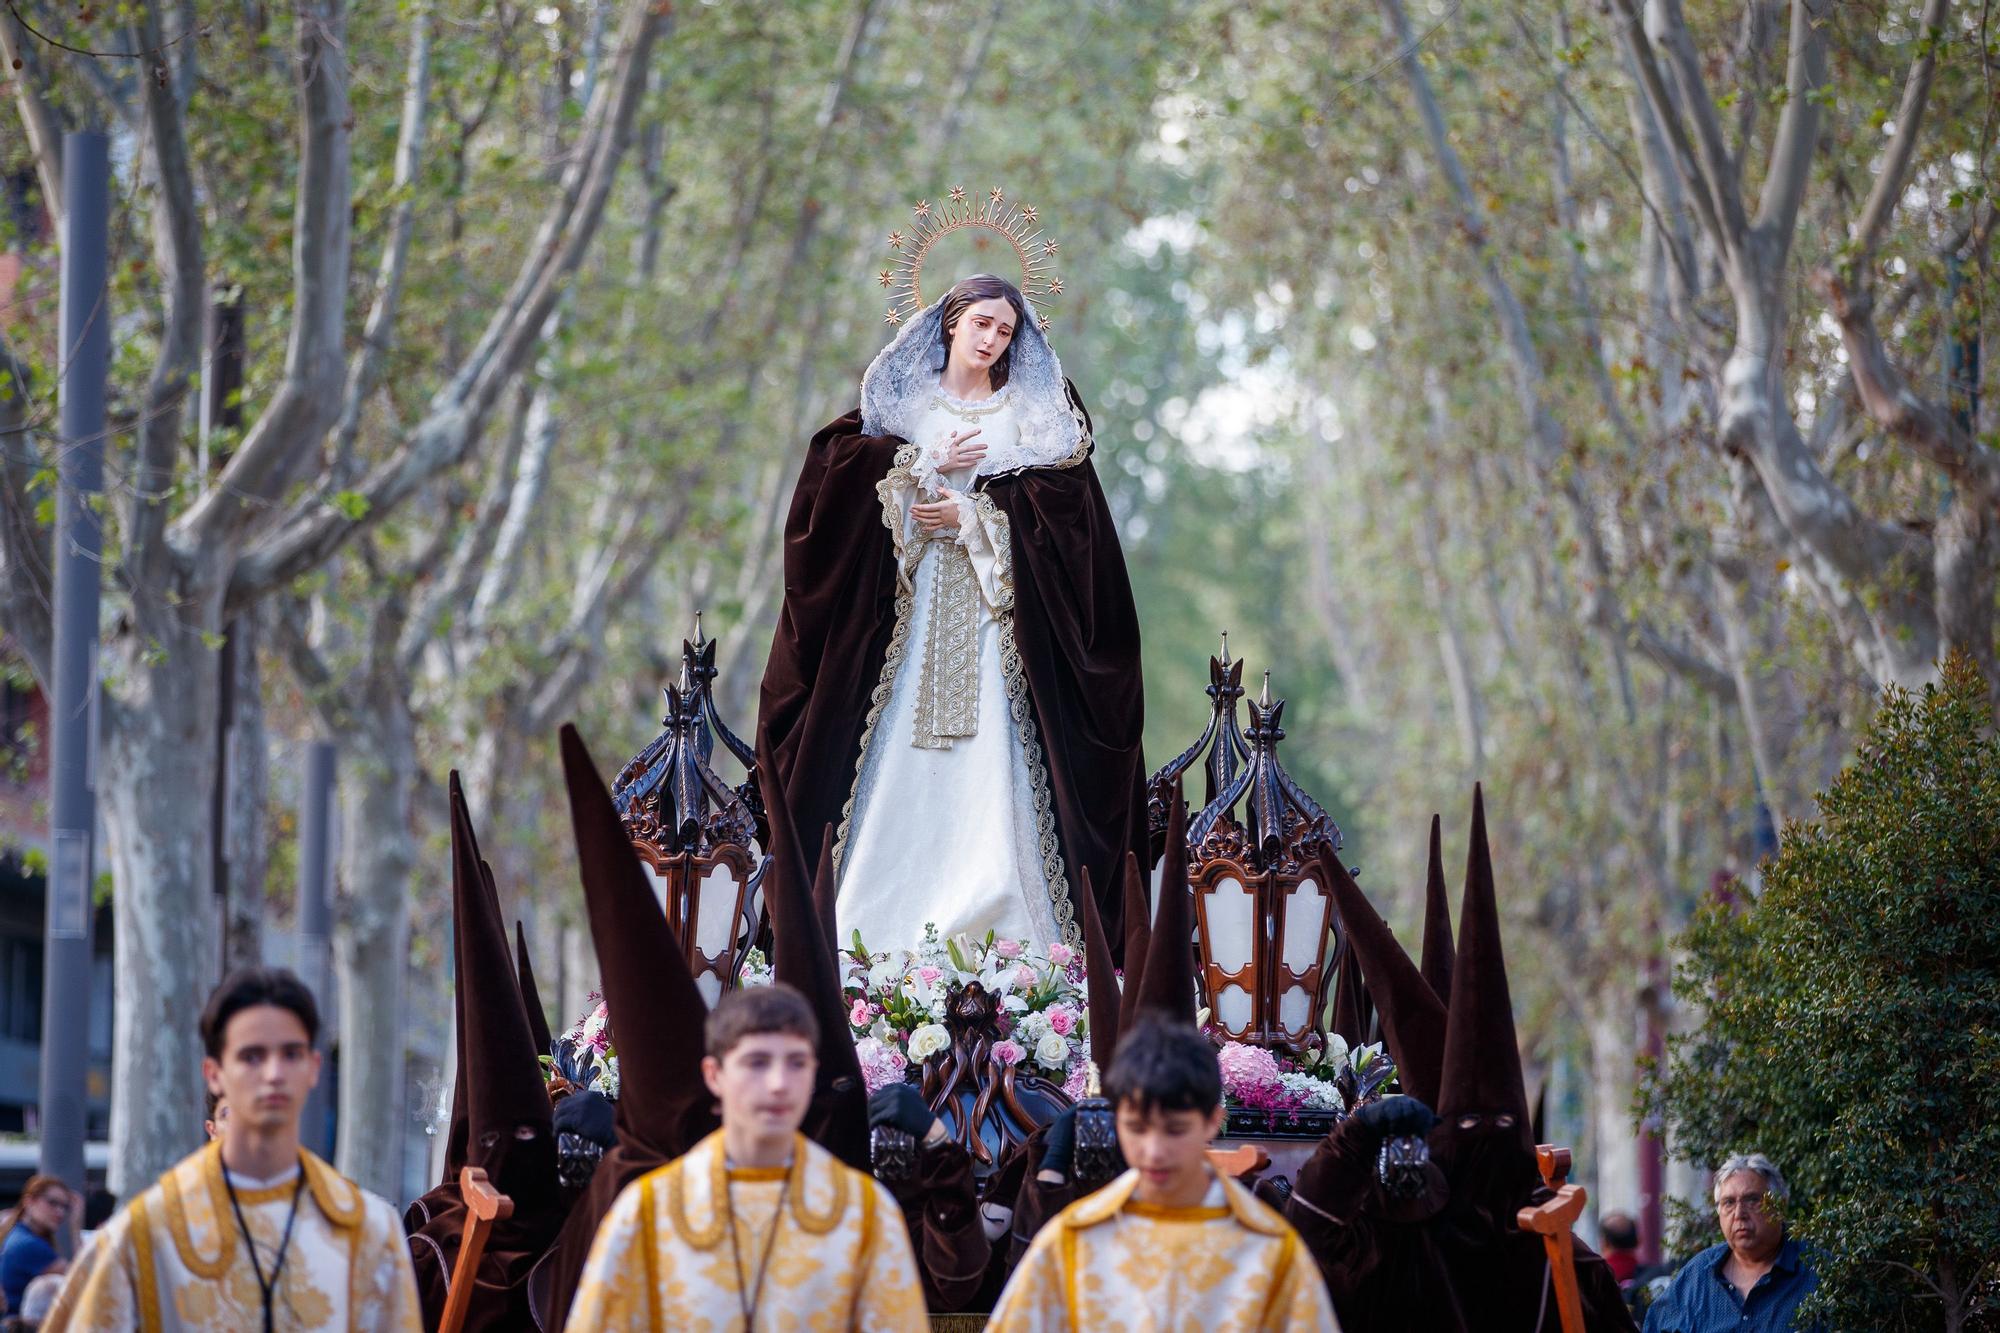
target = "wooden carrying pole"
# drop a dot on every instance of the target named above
(484, 1206)
(1552, 1222)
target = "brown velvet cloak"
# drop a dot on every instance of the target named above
(1074, 624)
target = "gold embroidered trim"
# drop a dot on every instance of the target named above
(948, 683)
(649, 1247)
(818, 1224)
(1053, 873)
(706, 1237)
(1281, 1279)
(965, 411)
(899, 644)
(328, 1186)
(142, 1259)
(999, 530)
(1161, 1212)
(210, 1170)
(1069, 1266)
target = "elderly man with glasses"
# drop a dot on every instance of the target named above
(1753, 1281)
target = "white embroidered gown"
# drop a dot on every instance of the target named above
(950, 828)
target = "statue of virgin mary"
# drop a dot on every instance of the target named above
(953, 693)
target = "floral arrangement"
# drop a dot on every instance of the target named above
(1330, 1077)
(896, 1016)
(583, 1057)
(896, 1004)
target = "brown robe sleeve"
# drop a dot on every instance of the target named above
(833, 631)
(941, 1208)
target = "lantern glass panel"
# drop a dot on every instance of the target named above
(1305, 925)
(1231, 912)
(1232, 1008)
(659, 883)
(715, 925)
(1294, 1009)
(709, 985)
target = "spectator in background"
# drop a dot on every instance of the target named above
(1621, 1247)
(216, 1118)
(36, 1303)
(28, 1235)
(1753, 1281)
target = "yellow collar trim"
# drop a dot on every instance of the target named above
(754, 1175)
(1116, 1198)
(199, 1176)
(696, 1186)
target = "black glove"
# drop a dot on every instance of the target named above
(901, 1106)
(1059, 1144)
(1396, 1117)
(588, 1115)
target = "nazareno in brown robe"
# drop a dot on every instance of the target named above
(1453, 1260)
(1074, 624)
(508, 1127)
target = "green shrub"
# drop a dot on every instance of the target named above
(1851, 1022)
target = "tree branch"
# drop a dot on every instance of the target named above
(177, 251)
(1645, 61)
(1798, 128)
(1927, 427)
(37, 117)
(308, 397)
(27, 591)
(459, 412)
(1888, 188)
(379, 333)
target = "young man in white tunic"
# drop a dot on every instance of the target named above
(251, 1232)
(1171, 1244)
(756, 1227)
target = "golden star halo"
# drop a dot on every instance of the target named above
(1018, 224)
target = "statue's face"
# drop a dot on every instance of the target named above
(984, 331)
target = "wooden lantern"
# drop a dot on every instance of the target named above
(700, 839)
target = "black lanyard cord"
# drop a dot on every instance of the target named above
(265, 1288)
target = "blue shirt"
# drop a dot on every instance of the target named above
(1702, 1301)
(24, 1256)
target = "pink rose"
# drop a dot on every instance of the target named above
(929, 975)
(1008, 1053)
(1024, 976)
(1060, 954)
(1062, 1020)
(858, 1016)
(1007, 948)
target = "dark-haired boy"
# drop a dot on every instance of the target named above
(1171, 1244)
(250, 1232)
(756, 1227)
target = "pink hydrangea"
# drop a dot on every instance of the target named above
(1007, 948)
(1062, 1018)
(1079, 1074)
(881, 1063)
(1008, 1053)
(1249, 1073)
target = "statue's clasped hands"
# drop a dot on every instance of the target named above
(960, 450)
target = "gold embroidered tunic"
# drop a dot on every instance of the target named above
(1110, 1264)
(174, 1259)
(839, 1257)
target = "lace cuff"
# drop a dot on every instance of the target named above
(988, 539)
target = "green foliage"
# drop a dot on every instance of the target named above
(1851, 1021)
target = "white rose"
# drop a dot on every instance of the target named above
(1052, 1052)
(927, 1041)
